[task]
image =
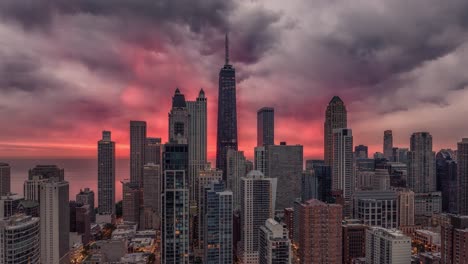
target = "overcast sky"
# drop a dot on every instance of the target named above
(70, 69)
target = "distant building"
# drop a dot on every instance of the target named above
(335, 117)
(354, 241)
(55, 221)
(387, 246)
(257, 205)
(319, 232)
(421, 164)
(406, 208)
(426, 205)
(5, 178)
(376, 208)
(9, 204)
(388, 145)
(20, 239)
(153, 150)
(274, 243)
(137, 151)
(342, 166)
(50, 172)
(218, 224)
(197, 140)
(284, 163)
(86, 196)
(447, 179)
(236, 169)
(131, 202)
(106, 174)
(381, 180)
(312, 164)
(462, 158)
(361, 152)
(152, 196)
(266, 126)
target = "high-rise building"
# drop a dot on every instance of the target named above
(152, 196)
(82, 221)
(236, 169)
(387, 246)
(227, 113)
(376, 208)
(454, 237)
(361, 152)
(86, 197)
(274, 243)
(131, 202)
(309, 186)
(9, 204)
(137, 150)
(179, 119)
(218, 224)
(447, 183)
(106, 174)
(289, 221)
(5, 178)
(20, 239)
(266, 126)
(354, 241)
(406, 208)
(462, 158)
(257, 205)
(284, 163)
(335, 117)
(205, 178)
(421, 164)
(175, 220)
(426, 205)
(197, 140)
(342, 166)
(55, 221)
(319, 232)
(388, 145)
(153, 151)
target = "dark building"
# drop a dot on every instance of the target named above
(266, 126)
(86, 196)
(29, 207)
(324, 179)
(354, 241)
(361, 152)
(47, 172)
(446, 173)
(454, 237)
(137, 151)
(153, 151)
(227, 113)
(131, 202)
(462, 159)
(289, 221)
(106, 174)
(311, 164)
(5, 178)
(73, 206)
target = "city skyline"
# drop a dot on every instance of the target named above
(103, 88)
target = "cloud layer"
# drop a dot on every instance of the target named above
(69, 69)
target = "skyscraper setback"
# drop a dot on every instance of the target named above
(335, 117)
(137, 150)
(106, 174)
(227, 113)
(266, 126)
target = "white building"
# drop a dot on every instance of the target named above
(274, 244)
(342, 166)
(387, 246)
(55, 222)
(19, 240)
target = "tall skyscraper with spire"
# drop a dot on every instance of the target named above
(335, 117)
(227, 113)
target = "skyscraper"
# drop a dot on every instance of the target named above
(335, 117)
(462, 158)
(106, 174)
(175, 221)
(227, 113)
(153, 150)
(406, 208)
(5, 178)
(86, 197)
(454, 235)
(152, 196)
(342, 166)
(421, 164)
(197, 140)
(387, 246)
(388, 145)
(131, 202)
(447, 179)
(137, 150)
(55, 221)
(257, 205)
(274, 243)
(319, 232)
(20, 239)
(354, 241)
(218, 224)
(284, 163)
(266, 126)
(236, 169)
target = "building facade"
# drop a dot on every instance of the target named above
(274, 243)
(335, 117)
(421, 164)
(153, 150)
(236, 169)
(388, 145)
(20, 240)
(376, 208)
(5, 178)
(266, 126)
(152, 196)
(106, 174)
(447, 179)
(387, 246)
(131, 202)
(342, 166)
(462, 158)
(354, 241)
(137, 151)
(86, 196)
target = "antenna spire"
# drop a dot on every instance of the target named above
(226, 43)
